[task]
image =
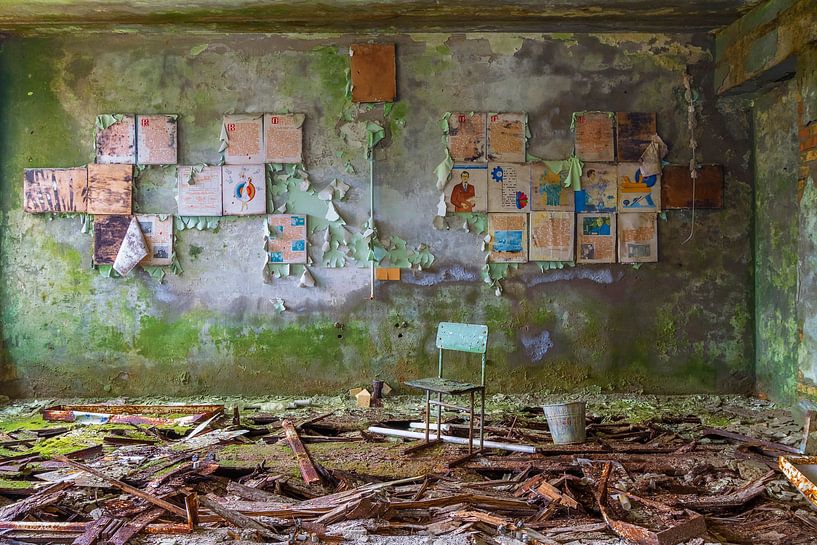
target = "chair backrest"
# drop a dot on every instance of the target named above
(471, 338)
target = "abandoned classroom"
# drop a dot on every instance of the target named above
(401, 272)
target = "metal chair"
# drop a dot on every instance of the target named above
(461, 338)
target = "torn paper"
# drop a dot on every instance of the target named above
(132, 250)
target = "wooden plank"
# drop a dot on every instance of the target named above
(22, 508)
(234, 517)
(134, 526)
(93, 531)
(308, 470)
(110, 189)
(176, 510)
(634, 131)
(676, 187)
(55, 190)
(374, 72)
(594, 136)
(109, 231)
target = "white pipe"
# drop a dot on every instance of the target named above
(371, 218)
(451, 439)
(422, 426)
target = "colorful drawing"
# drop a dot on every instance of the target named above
(596, 238)
(466, 136)
(509, 238)
(506, 137)
(200, 192)
(551, 236)
(467, 189)
(244, 190)
(286, 242)
(598, 189)
(508, 187)
(637, 193)
(637, 238)
(548, 191)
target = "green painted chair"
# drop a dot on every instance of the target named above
(471, 338)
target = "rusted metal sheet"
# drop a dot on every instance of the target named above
(801, 471)
(634, 131)
(374, 72)
(676, 187)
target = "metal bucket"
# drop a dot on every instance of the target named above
(566, 422)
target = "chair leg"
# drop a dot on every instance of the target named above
(482, 419)
(439, 417)
(471, 427)
(428, 413)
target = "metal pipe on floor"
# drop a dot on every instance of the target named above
(451, 439)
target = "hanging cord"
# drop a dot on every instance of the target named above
(692, 124)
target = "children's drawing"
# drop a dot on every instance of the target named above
(508, 187)
(548, 191)
(467, 189)
(244, 190)
(638, 193)
(598, 189)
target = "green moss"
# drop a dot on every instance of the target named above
(195, 251)
(167, 341)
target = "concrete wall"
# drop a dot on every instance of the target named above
(682, 325)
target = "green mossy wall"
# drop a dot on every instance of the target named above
(682, 325)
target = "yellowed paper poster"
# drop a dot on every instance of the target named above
(508, 187)
(509, 238)
(467, 189)
(158, 235)
(287, 242)
(200, 191)
(466, 136)
(637, 237)
(551, 236)
(156, 139)
(596, 238)
(548, 191)
(506, 137)
(242, 139)
(283, 138)
(117, 142)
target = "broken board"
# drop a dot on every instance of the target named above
(242, 138)
(158, 235)
(506, 137)
(596, 239)
(598, 191)
(637, 237)
(244, 190)
(467, 188)
(466, 136)
(509, 238)
(374, 72)
(287, 242)
(595, 136)
(200, 191)
(156, 139)
(110, 189)
(552, 236)
(634, 132)
(283, 138)
(548, 191)
(109, 231)
(55, 190)
(508, 187)
(676, 187)
(636, 192)
(117, 142)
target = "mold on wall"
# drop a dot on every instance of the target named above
(776, 240)
(681, 325)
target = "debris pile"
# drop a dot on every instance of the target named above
(97, 474)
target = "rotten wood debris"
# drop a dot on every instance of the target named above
(645, 483)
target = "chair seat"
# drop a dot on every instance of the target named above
(444, 385)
